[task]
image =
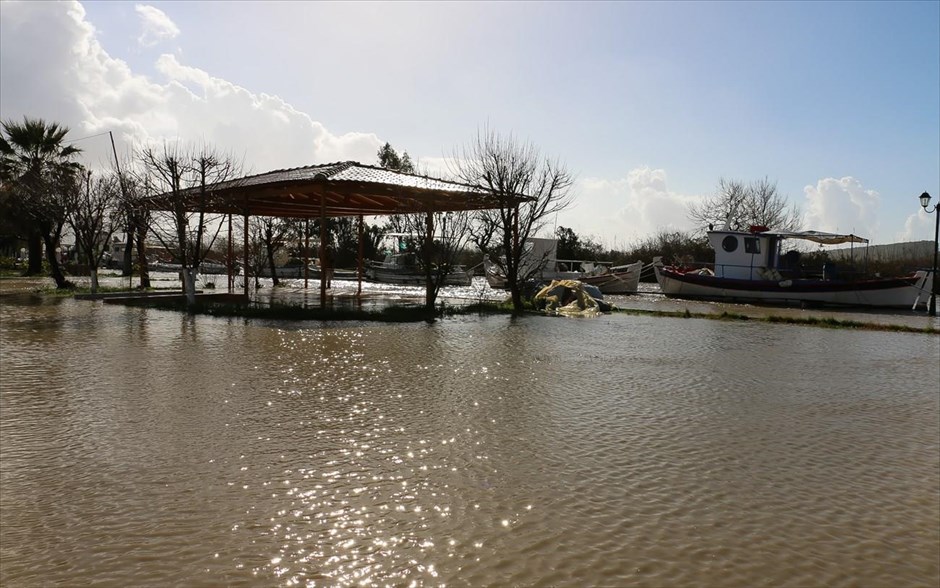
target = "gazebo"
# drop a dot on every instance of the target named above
(330, 190)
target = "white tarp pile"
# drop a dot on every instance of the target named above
(570, 298)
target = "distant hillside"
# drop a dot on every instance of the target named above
(890, 253)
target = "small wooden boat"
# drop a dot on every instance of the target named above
(401, 266)
(541, 265)
(749, 267)
(618, 279)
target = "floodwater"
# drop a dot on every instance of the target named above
(141, 447)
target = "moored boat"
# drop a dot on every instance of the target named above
(540, 265)
(618, 279)
(400, 264)
(287, 271)
(206, 268)
(403, 268)
(749, 267)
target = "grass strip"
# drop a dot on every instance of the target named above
(417, 313)
(812, 321)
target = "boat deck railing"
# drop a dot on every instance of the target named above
(828, 271)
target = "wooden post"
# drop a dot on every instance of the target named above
(245, 255)
(428, 249)
(359, 265)
(231, 257)
(323, 268)
(516, 255)
(306, 254)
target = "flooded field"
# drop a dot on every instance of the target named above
(151, 448)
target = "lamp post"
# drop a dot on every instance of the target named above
(924, 201)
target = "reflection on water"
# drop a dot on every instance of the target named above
(143, 447)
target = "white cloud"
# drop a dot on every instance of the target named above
(918, 226)
(86, 89)
(842, 205)
(615, 213)
(622, 212)
(157, 26)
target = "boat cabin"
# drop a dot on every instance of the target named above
(757, 254)
(741, 254)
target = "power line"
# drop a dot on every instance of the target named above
(89, 137)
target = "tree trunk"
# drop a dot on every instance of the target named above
(516, 293)
(189, 285)
(60, 282)
(430, 293)
(128, 262)
(34, 243)
(92, 270)
(270, 252)
(142, 257)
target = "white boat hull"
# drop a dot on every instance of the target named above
(296, 271)
(622, 279)
(406, 277)
(879, 293)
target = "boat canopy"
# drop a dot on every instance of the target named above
(818, 237)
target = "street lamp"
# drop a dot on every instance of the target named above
(924, 201)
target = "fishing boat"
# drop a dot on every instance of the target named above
(617, 279)
(540, 265)
(403, 268)
(400, 265)
(338, 274)
(165, 266)
(283, 271)
(205, 268)
(750, 267)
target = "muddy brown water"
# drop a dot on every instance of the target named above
(149, 448)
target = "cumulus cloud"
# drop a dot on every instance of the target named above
(156, 26)
(918, 226)
(86, 89)
(842, 205)
(615, 213)
(642, 202)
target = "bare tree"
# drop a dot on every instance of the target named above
(767, 207)
(139, 219)
(441, 236)
(135, 219)
(274, 233)
(737, 205)
(93, 217)
(512, 170)
(256, 255)
(179, 182)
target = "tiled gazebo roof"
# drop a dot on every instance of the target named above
(344, 188)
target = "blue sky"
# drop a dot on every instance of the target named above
(649, 104)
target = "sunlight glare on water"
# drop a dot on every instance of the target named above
(147, 448)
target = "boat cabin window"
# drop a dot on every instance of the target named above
(729, 243)
(751, 245)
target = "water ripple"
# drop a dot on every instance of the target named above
(147, 448)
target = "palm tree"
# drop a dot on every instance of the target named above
(36, 170)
